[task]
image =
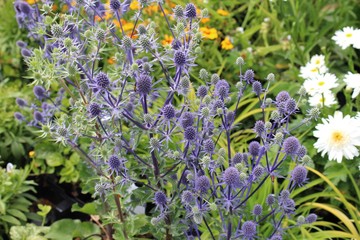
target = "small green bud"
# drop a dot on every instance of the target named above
(302, 91)
(207, 99)
(198, 50)
(48, 20)
(148, 118)
(219, 111)
(270, 77)
(185, 82)
(204, 13)
(213, 206)
(88, 34)
(239, 85)
(268, 125)
(243, 176)
(127, 42)
(222, 152)
(203, 74)
(100, 35)
(268, 101)
(56, 30)
(275, 115)
(134, 66)
(205, 112)
(68, 42)
(279, 137)
(240, 61)
(214, 79)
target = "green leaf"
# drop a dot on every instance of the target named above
(44, 210)
(88, 208)
(10, 219)
(55, 159)
(62, 229)
(16, 213)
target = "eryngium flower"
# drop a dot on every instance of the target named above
(21, 44)
(338, 136)
(270, 199)
(160, 198)
(179, 58)
(39, 92)
(298, 175)
(209, 146)
(23, 7)
(257, 88)
(187, 120)
(187, 197)
(26, 52)
(248, 230)
(222, 89)
(249, 76)
(254, 148)
(19, 116)
(190, 133)
(102, 80)
(237, 158)
(38, 116)
(143, 84)
(115, 5)
(114, 163)
(232, 177)
(257, 210)
(258, 171)
(302, 152)
(169, 111)
(291, 145)
(202, 91)
(202, 184)
(190, 10)
(21, 102)
(259, 127)
(282, 96)
(290, 105)
(311, 218)
(94, 109)
(176, 44)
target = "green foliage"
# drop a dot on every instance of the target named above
(28, 232)
(15, 198)
(16, 138)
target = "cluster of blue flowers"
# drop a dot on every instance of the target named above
(145, 128)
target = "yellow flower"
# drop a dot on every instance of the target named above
(134, 5)
(205, 20)
(209, 33)
(32, 154)
(168, 40)
(31, 1)
(222, 12)
(151, 9)
(226, 44)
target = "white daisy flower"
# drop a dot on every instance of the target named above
(311, 70)
(338, 136)
(320, 83)
(325, 99)
(345, 37)
(356, 44)
(352, 80)
(318, 60)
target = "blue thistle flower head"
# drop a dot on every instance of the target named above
(190, 11)
(258, 171)
(190, 133)
(302, 152)
(39, 92)
(237, 158)
(187, 197)
(282, 96)
(249, 76)
(38, 117)
(26, 52)
(19, 116)
(160, 199)
(259, 127)
(202, 91)
(291, 145)
(257, 88)
(254, 148)
(209, 146)
(222, 88)
(187, 119)
(94, 109)
(231, 177)
(143, 84)
(169, 112)
(114, 164)
(115, 5)
(21, 44)
(290, 106)
(102, 80)
(176, 44)
(311, 218)
(21, 102)
(202, 184)
(257, 210)
(179, 58)
(298, 175)
(270, 199)
(248, 230)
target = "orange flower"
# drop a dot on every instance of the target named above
(226, 44)
(135, 5)
(205, 20)
(151, 9)
(222, 12)
(209, 33)
(111, 60)
(168, 40)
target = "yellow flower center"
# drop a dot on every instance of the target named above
(321, 83)
(348, 35)
(338, 138)
(314, 70)
(317, 62)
